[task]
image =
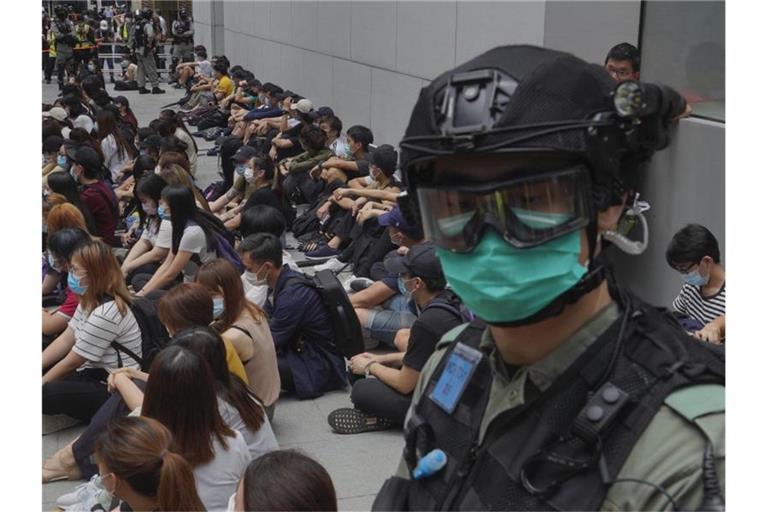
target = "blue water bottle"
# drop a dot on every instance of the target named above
(430, 464)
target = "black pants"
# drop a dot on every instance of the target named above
(85, 445)
(286, 376)
(377, 399)
(147, 268)
(79, 395)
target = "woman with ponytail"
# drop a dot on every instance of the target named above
(137, 465)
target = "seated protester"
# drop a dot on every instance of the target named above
(80, 359)
(150, 145)
(269, 107)
(340, 210)
(355, 164)
(246, 98)
(174, 125)
(61, 245)
(192, 239)
(127, 81)
(62, 215)
(307, 357)
(224, 84)
(189, 305)
(54, 120)
(175, 174)
(80, 137)
(294, 120)
(150, 250)
(284, 480)
(88, 170)
(694, 252)
(77, 113)
(381, 308)
(136, 460)
(126, 114)
(253, 175)
(217, 453)
(63, 183)
(246, 327)
(51, 147)
(334, 140)
(384, 400)
(262, 219)
(116, 148)
(135, 170)
(200, 67)
(297, 184)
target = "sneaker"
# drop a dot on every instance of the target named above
(157, 90)
(214, 151)
(322, 252)
(332, 264)
(80, 494)
(353, 421)
(359, 283)
(143, 90)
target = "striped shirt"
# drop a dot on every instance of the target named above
(95, 332)
(704, 309)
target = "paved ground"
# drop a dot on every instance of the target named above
(358, 464)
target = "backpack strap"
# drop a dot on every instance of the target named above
(445, 306)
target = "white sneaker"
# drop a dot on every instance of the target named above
(84, 492)
(332, 264)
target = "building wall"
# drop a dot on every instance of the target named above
(368, 60)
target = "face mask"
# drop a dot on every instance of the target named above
(404, 290)
(52, 263)
(158, 169)
(162, 213)
(501, 283)
(254, 280)
(73, 173)
(248, 175)
(240, 169)
(693, 278)
(91, 68)
(74, 284)
(148, 209)
(62, 161)
(142, 152)
(218, 306)
(348, 153)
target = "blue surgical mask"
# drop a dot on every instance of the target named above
(240, 169)
(693, 278)
(74, 284)
(162, 213)
(62, 161)
(403, 290)
(218, 306)
(501, 283)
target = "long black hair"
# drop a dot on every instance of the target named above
(183, 211)
(152, 187)
(64, 184)
(143, 166)
(208, 344)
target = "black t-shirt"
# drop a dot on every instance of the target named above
(428, 328)
(263, 196)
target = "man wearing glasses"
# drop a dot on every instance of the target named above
(623, 62)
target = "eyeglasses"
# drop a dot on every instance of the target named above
(618, 73)
(526, 211)
(687, 269)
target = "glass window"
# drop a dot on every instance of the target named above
(683, 46)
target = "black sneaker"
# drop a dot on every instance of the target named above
(353, 421)
(143, 90)
(157, 90)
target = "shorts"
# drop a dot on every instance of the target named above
(384, 323)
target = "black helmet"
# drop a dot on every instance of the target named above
(518, 99)
(146, 13)
(60, 11)
(183, 13)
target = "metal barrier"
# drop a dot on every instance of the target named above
(164, 54)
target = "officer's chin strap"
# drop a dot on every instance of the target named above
(623, 243)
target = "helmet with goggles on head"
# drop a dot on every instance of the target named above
(531, 143)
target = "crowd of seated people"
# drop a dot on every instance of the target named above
(133, 247)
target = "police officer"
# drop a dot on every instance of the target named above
(572, 394)
(182, 32)
(63, 42)
(143, 44)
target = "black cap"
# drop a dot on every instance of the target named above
(421, 261)
(85, 156)
(153, 141)
(245, 153)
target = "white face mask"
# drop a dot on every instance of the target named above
(157, 169)
(253, 279)
(248, 175)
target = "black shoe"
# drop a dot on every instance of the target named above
(143, 90)
(157, 90)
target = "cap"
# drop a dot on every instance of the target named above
(421, 261)
(245, 153)
(153, 141)
(385, 158)
(57, 113)
(304, 106)
(85, 156)
(394, 218)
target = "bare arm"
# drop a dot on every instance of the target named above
(49, 283)
(173, 264)
(54, 323)
(59, 348)
(70, 363)
(372, 296)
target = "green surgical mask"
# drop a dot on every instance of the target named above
(501, 283)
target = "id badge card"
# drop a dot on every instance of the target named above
(455, 377)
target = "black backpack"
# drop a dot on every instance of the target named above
(154, 337)
(346, 326)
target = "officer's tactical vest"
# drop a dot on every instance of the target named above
(562, 448)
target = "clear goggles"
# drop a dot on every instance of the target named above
(526, 211)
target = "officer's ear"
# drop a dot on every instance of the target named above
(608, 219)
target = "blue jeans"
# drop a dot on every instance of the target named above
(384, 323)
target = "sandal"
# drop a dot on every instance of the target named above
(353, 421)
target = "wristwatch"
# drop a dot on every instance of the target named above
(368, 369)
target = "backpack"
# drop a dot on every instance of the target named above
(214, 191)
(225, 249)
(460, 311)
(348, 335)
(154, 337)
(139, 35)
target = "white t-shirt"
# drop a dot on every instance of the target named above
(204, 68)
(159, 238)
(193, 240)
(339, 147)
(260, 442)
(112, 158)
(94, 334)
(218, 479)
(258, 294)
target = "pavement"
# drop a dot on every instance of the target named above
(358, 464)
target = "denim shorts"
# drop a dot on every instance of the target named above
(384, 323)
